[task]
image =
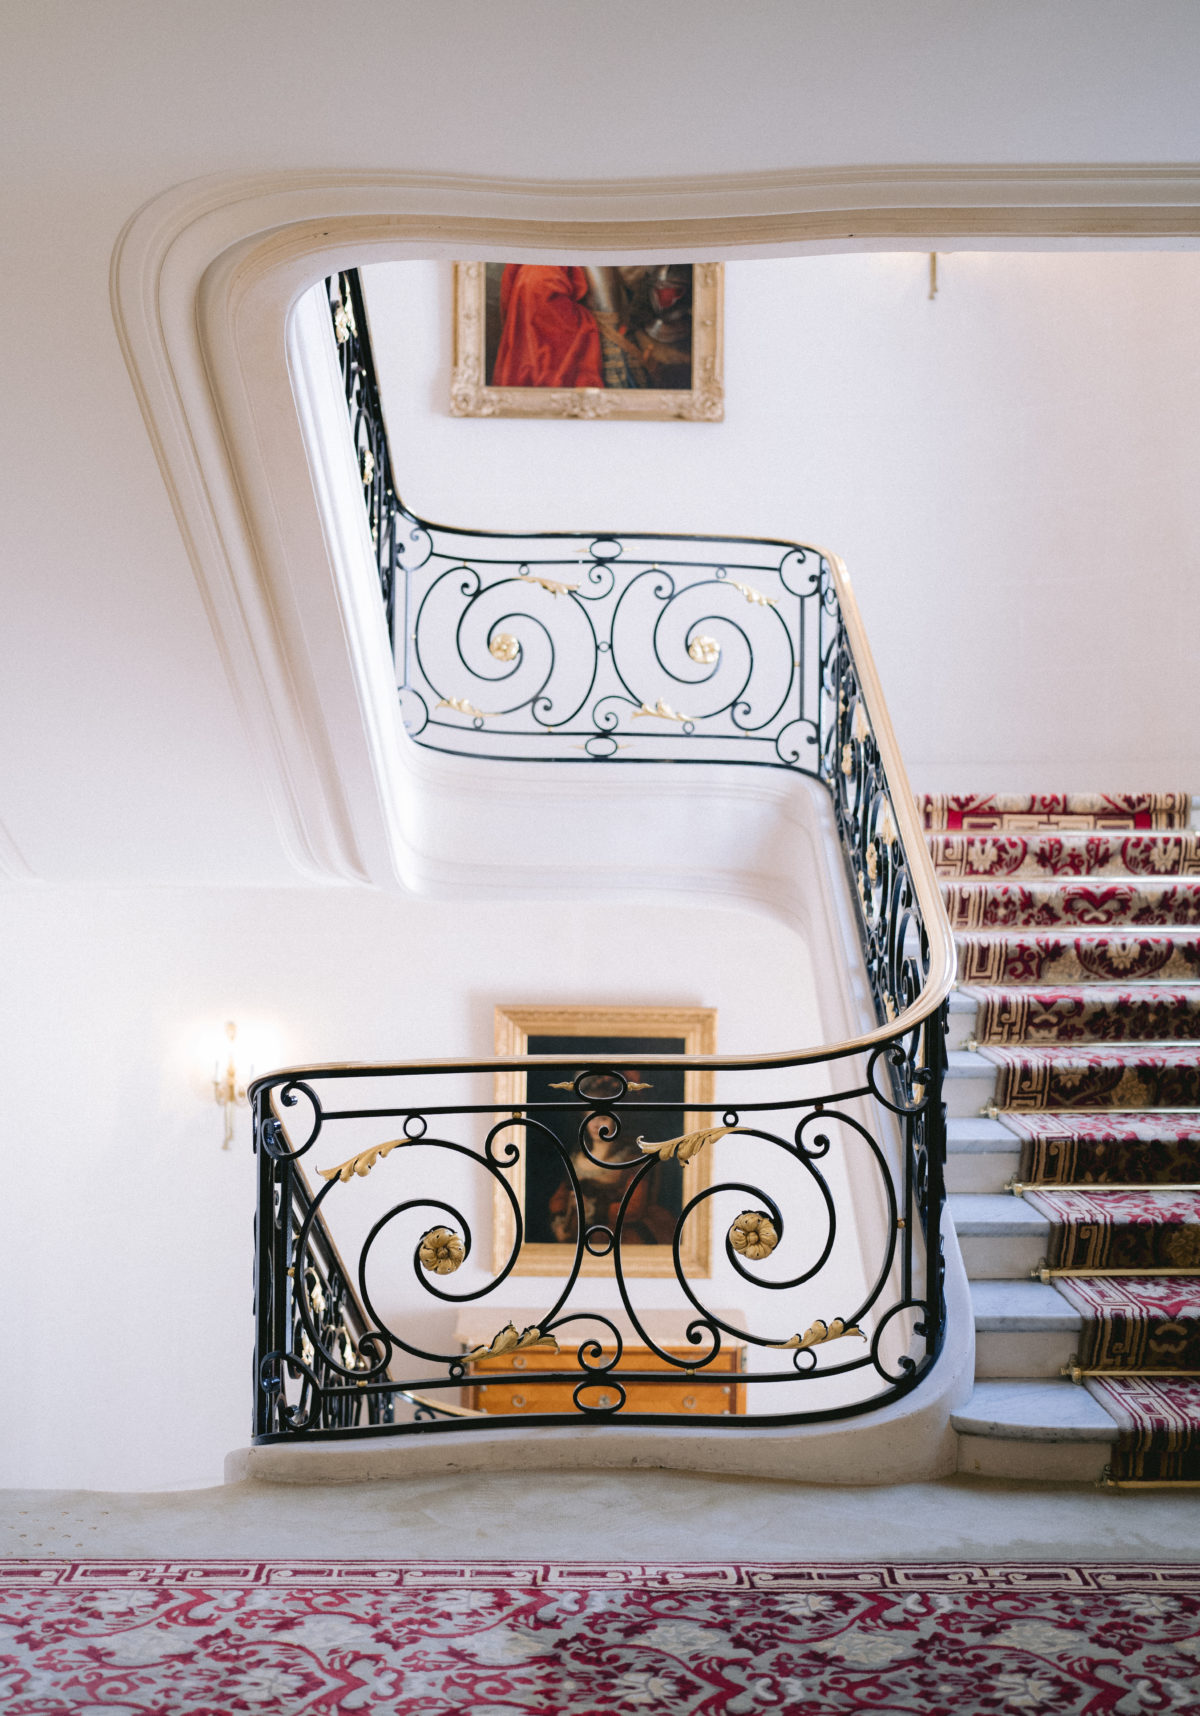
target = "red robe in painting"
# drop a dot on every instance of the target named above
(548, 336)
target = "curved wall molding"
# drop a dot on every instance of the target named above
(204, 284)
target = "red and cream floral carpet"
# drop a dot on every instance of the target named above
(1076, 918)
(430, 1639)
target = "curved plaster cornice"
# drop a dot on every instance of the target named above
(205, 285)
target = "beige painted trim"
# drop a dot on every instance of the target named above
(514, 1026)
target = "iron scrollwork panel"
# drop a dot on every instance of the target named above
(355, 1358)
(591, 648)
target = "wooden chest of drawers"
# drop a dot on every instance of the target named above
(678, 1393)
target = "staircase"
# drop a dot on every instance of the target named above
(1073, 1104)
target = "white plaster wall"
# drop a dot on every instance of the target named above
(113, 689)
(1009, 471)
(125, 1230)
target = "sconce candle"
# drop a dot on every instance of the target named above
(228, 1092)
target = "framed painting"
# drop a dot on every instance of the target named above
(617, 1036)
(539, 340)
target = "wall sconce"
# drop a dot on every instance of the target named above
(228, 1092)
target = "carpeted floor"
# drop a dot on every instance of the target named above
(1075, 918)
(222, 1638)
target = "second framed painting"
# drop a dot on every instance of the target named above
(618, 1036)
(535, 340)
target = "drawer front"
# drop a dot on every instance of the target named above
(684, 1398)
(633, 1358)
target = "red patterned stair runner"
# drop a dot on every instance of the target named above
(1076, 921)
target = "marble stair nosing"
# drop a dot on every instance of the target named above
(1002, 1237)
(1033, 1428)
(970, 1084)
(1023, 1329)
(982, 1155)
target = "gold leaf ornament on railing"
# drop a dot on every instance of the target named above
(343, 316)
(512, 1340)
(462, 707)
(362, 1163)
(818, 1333)
(686, 1146)
(662, 711)
(754, 1235)
(555, 586)
(753, 596)
(704, 649)
(440, 1251)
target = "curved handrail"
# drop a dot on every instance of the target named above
(940, 975)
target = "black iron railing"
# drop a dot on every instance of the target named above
(594, 649)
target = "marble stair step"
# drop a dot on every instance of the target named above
(1002, 1238)
(969, 1086)
(982, 1155)
(1034, 1428)
(1022, 1329)
(961, 1025)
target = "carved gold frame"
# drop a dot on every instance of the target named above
(703, 402)
(698, 1027)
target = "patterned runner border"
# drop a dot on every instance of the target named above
(399, 1575)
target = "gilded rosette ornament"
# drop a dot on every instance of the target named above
(504, 647)
(441, 1251)
(754, 1235)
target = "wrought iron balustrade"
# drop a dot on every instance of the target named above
(600, 649)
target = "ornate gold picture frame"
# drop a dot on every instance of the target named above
(534, 340)
(617, 1035)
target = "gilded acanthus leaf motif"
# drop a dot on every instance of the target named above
(819, 1332)
(464, 708)
(872, 862)
(362, 1163)
(661, 710)
(509, 1340)
(685, 1147)
(703, 648)
(754, 1235)
(860, 727)
(754, 596)
(847, 759)
(569, 1084)
(887, 828)
(555, 586)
